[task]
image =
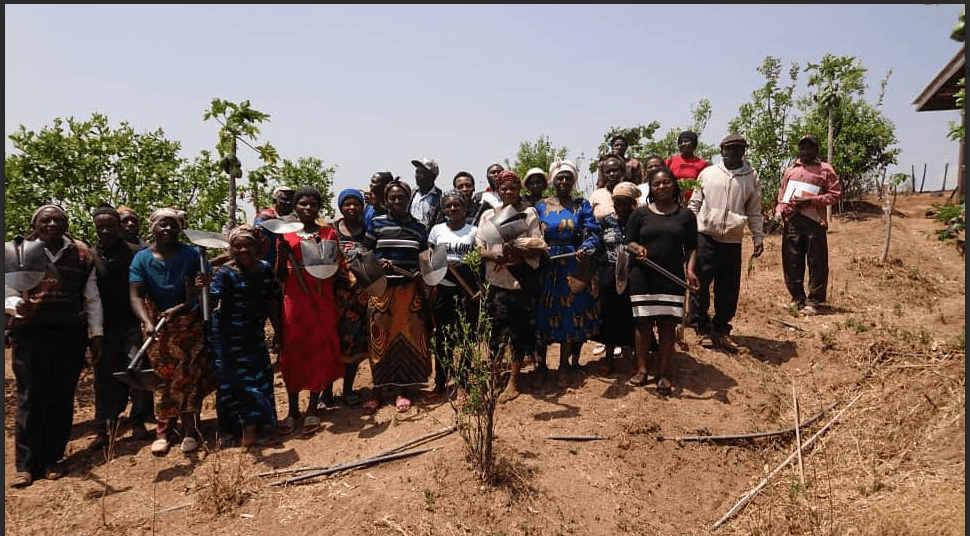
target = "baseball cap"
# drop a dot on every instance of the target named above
(809, 138)
(428, 164)
(734, 139)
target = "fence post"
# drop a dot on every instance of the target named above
(912, 174)
(945, 169)
(923, 180)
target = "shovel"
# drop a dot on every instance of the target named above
(434, 265)
(142, 379)
(279, 226)
(205, 239)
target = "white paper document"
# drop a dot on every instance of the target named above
(797, 190)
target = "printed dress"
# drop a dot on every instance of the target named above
(244, 373)
(616, 317)
(352, 303)
(562, 315)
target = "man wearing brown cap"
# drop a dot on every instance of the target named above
(425, 203)
(807, 187)
(728, 198)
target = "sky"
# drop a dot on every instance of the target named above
(370, 88)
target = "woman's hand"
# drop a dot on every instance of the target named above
(202, 279)
(692, 282)
(173, 311)
(387, 266)
(277, 343)
(639, 252)
(148, 330)
(580, 253)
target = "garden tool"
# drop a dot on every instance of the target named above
(368, 272)
(320, 257)
(506, 225)
(622, 270)
(24, 264)
(205, 239)
(137, 378)
(434, 265)
(280, 226)
(581, 277)
(464, 284)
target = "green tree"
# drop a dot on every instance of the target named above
(860, 133)
(540, 154)
(80, 164)
(764, 121)
(959, 132)
(306, 171)
(641, 142)
(239, 124)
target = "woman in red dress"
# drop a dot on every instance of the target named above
(310, 353)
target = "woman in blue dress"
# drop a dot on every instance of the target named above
(568, 226)
(245, 293)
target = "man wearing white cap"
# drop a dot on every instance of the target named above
(425, 203)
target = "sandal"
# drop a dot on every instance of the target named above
(371, 406)
(402, 404)
(350, 398)
(663, 387)
(22, 480)
(311, 424)
(287, 425)
(640, 379)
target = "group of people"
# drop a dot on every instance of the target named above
(555, 269)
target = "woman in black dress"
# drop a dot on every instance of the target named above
(666, 233)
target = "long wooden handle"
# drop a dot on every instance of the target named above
(464, 284)
(205, 288)
(296, 266)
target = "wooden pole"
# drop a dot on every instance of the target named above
(351, 465)
(913, 175)
(946, 168)
(764, 482)
(753, 435)
(798, 435)
(923, 180)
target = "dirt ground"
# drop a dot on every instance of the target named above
(893, 463)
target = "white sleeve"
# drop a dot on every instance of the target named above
(92, 306)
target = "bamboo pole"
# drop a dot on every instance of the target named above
(753, 435)
(923, 180)
(798, 435)
(754, 491)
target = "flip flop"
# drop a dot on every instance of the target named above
(402, 404)
(286, 426)
(640, 379)
(311, 424)
(371, 406)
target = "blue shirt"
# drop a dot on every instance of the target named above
(166, 279)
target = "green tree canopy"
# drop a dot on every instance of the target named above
(541, 154)
(80, 164)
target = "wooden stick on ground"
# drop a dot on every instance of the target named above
(753, 435)
(798, 435)
(349, 465)
(786, 324)
(576, 437)
(409, 443)
(754, 491)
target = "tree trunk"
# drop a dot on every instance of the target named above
(232, 192)
(887, 210)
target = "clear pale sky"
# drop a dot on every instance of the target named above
(369, 88)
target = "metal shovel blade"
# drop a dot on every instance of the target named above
(136, 377)
(368, 272)
(579, 280)
(434, 265)
(510, 222)
(280, 226)
(24, 264)
(207, 239)
(622, 270)
(320, 257)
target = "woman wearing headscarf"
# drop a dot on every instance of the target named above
(51, 326)
(616, 317)
(400, 354)
(535, 184)
(244, 294)
(510, 269)
(568, 225)
(351, 298)
(310, 352)
(162, 281)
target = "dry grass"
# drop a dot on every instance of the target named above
(227, 484)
